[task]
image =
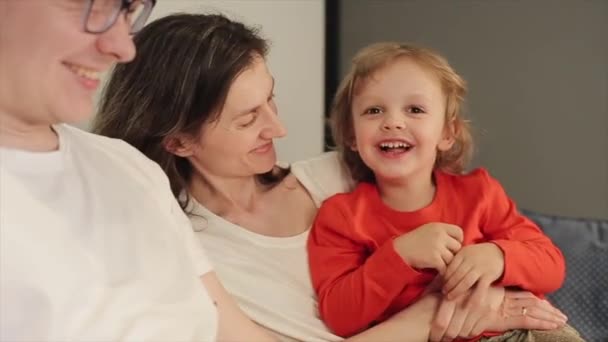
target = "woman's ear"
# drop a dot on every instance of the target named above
(448, 138)
(352, 144)
(178, 145)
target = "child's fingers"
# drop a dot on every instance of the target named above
(466, 283)
(453, 245)
(451, 281)
(447, 257)
(454, 231)
(439, 264)
(453, 266)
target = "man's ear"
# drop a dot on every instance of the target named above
(449, 136)
(178, 145)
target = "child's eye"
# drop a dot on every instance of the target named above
(415, 110)
(373, 110)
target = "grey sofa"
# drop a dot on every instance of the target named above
(584, 295)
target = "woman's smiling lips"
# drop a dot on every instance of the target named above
(263, 149)
(88, 77)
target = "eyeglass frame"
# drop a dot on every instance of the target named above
(125, 4)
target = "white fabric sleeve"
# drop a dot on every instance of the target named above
(182, 224)
(201, 262)
(323, 176)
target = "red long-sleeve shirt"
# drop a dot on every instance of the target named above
(361, 280)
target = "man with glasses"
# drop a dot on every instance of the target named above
(93, 246)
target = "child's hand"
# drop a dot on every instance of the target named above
(480, 265)
(431, 245)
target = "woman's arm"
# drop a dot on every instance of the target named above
(415, 322)
(501, 311)
(412, 324)
(234, 325)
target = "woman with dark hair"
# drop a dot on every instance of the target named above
(199, 101)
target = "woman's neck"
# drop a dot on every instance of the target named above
(283, 210)
(20, 135)
(407, 195)
(225, 195)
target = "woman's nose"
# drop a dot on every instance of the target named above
(274, 127)
(117, 41)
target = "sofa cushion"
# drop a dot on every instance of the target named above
(584, 295)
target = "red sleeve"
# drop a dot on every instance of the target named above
(354, 288)
(532, 261)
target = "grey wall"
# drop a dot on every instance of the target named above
(538, 79)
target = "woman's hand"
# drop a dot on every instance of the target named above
(523, 310)
(462, 318)
(501, 311)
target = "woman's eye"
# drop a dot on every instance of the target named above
(373, 110)
(247, 120)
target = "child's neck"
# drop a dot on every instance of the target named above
(407, 195)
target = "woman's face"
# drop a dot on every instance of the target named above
(240, 142)
(50, 67)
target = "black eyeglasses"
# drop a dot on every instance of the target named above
(100, 15)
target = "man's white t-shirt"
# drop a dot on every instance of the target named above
(94, 247)
(269, 276)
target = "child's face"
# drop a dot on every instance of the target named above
(399, 122)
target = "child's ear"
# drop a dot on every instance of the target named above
(449, 137)
(178, 145)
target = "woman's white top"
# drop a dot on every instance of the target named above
(93, 247)
(269, 276)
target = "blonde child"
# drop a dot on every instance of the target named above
(398, 124)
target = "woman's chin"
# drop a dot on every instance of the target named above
(267, 168)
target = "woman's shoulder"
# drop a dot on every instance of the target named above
(87, 140)
(112, 147)
(97, 149)
(323, 176)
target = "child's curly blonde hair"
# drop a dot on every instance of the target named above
(369, 60)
